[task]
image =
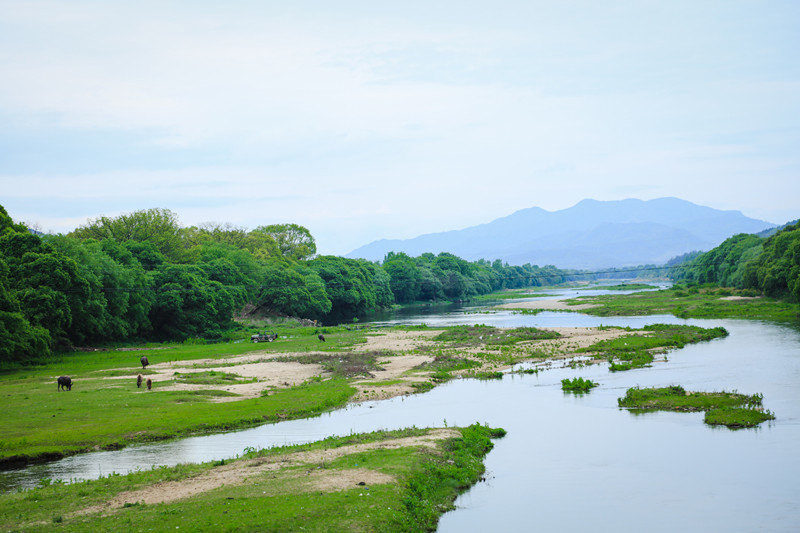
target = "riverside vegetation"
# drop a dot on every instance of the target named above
(731, 409)
(746, 276)
(202, 388)
(142, 277)
(384, 481)
(638, 350)
(578, 385)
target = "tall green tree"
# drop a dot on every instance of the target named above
(294, 241)
(20, 341)
(187, 304)
(158, 227)
(405, 277)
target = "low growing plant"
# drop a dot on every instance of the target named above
(578, 385)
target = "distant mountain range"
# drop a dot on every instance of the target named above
(588, 235)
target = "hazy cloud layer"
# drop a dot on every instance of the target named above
(362, 120)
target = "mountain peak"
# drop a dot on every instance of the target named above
(590, 234)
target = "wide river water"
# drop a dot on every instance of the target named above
(571, 463)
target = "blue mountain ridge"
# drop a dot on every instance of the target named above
(591, 234)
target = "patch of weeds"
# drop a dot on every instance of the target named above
(344, 364)
(515, 335)
(422, 386)
(432, 489)
(466, 334)
(527, 311)
(578, 385)
(737, 417)
(212, 377)
(636, 351)
(449, 363)
(486, 375)
(731, 409)
(441, 376)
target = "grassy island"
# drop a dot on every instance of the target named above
(578, 385)
(384, 481)
(637, 350)
(731, 409)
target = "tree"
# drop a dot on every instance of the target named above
(350, 285)
(294, 241)
(404, 275)
(20, 341)
(188, 304)
(288, 291)
(156, 226)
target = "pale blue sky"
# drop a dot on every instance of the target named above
(367, 120)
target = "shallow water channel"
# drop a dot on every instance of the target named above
(571, 462)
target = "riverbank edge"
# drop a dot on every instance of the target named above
(17, 461)
(438, 465)
(22, 460)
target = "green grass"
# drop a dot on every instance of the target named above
(211, 377)
(342, 364)
(449, 363)
(486, 375)
(427, 482)
(722, 408)
(491, 336)
(690, 303)
(737, 417)
(636, 351)
(117, 358)
(622, 287)
(578, 385)
(40, 422)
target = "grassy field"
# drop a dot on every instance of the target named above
(708, 302)
(384, 481)
(102, 413)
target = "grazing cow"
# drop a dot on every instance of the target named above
(64, 382)
(321, 337)
(149, 383)
(144, 361)
(139, 381)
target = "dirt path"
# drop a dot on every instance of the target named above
(239, 472)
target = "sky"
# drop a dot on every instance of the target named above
(375, 119)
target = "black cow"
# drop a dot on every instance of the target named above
(144, 361)
(149, 384)
(139, 381)
(321, 337)
(64, 382)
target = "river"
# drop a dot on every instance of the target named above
(572, 463)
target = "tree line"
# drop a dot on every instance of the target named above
(141, 276)
(769, 266)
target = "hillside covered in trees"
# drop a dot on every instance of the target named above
(769, 266)
(141, 276)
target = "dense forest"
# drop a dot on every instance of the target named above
(769, 266)
(141, 276)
